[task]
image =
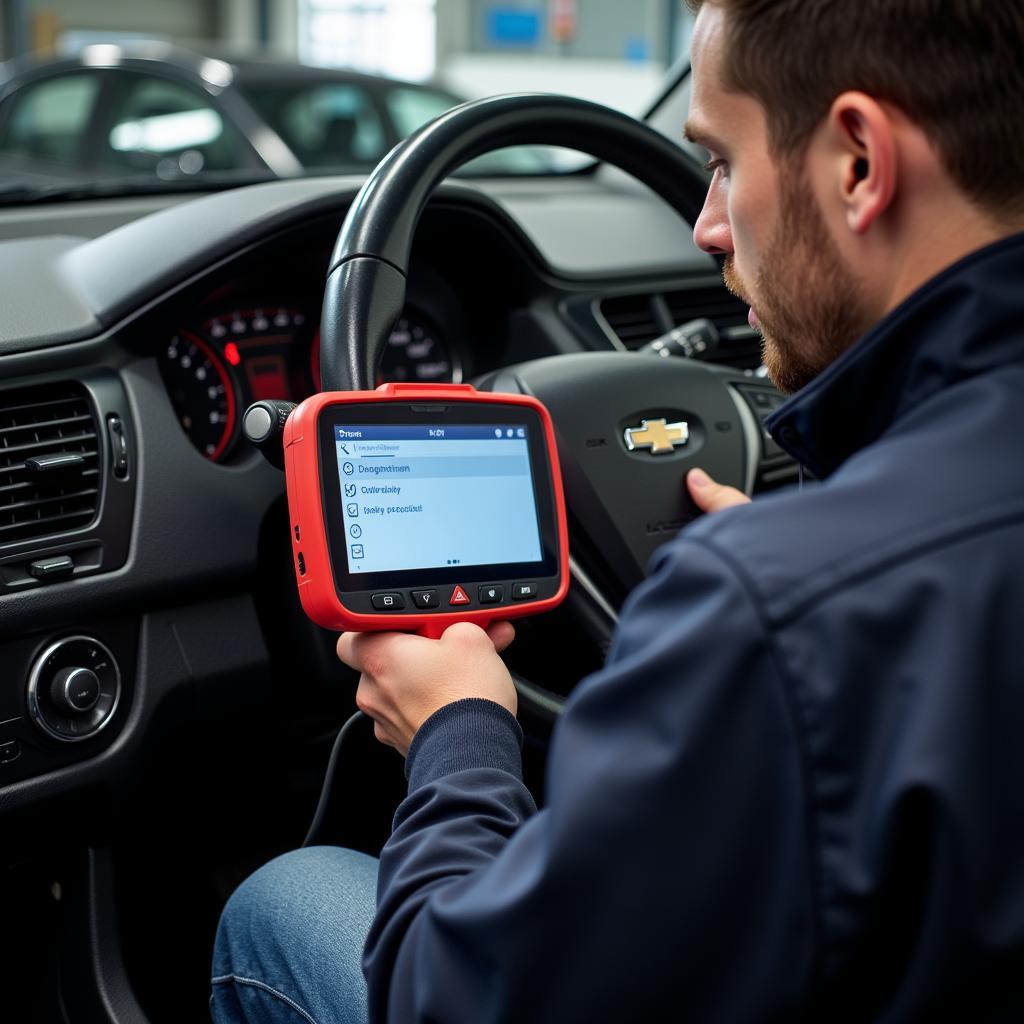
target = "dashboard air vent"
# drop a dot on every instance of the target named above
(633, 319)
(740, 344)
(638, 319)
(49, 461)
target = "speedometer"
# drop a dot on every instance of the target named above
(251, 353)
(200, 391)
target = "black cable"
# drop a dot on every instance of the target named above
(325, 790)
(548, 706)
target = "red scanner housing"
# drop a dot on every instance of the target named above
(332, 597)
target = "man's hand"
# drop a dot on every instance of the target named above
(406, 678)
(710, 496)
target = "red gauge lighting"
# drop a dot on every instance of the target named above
(201, 392)
(231, 353)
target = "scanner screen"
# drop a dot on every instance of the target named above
(436, 496)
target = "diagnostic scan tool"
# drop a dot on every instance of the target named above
(416, 506)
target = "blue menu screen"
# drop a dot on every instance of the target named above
(434, 496)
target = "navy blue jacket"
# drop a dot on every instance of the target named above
(796, 791)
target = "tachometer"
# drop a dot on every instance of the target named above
(201, 392)
(414, 352)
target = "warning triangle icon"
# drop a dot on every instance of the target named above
(459, 596)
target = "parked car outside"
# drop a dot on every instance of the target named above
(117, 111)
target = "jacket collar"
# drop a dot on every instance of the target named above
(963, 322)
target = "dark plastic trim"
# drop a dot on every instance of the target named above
(94, 980)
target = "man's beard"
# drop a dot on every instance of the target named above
(810, 306)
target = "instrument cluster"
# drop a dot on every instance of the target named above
(215, 369)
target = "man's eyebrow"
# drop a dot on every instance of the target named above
(695, 134)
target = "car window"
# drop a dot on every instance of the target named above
(324, 125)
(183, 100)
(410, 109)
(169, 128)
(48, 120)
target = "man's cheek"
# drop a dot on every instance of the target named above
(748, 209)
(745, 258)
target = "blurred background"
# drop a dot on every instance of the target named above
(612, 51)
(183, 91)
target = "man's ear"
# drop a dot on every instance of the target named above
(861, 136)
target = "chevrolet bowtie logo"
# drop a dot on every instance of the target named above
(658, 435)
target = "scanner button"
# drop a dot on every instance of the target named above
(426, 599)
(524, 591)
(388, 602)
(491, 595)
(459, 596)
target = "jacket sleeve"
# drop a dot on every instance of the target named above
(670, 868)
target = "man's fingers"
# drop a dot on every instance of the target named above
(348, 649)
(365, 697)
(501, 634)
(364, 651)
(710, 496)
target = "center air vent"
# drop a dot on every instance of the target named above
(740, 344)
(49, 461)
(633, 319)
(715, 303)
(638, 319)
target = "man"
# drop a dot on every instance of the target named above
(797, 788)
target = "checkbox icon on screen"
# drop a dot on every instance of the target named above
(357, 551)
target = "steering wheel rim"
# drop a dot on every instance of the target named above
(366, 286)
(367, 275)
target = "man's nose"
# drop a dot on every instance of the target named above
(712, 232)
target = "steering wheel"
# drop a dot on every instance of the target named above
(622, 504)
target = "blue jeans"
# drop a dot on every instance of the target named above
(290, 941)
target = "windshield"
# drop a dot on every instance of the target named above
(123, 99)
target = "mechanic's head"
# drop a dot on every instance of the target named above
(858, 148)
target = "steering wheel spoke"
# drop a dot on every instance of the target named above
(768, 466)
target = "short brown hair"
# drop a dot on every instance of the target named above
(955, 67)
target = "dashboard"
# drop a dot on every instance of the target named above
(148, 545)
(164, 330)
(168, 326)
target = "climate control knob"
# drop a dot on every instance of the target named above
(74, 688)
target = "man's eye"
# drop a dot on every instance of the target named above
(712, 165)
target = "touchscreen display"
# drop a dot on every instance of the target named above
(436, 496)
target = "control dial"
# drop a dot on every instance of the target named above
(74, 688)
(75, 691)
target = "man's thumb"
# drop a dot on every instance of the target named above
(710, 496)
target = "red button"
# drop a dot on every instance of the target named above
(459, 596)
